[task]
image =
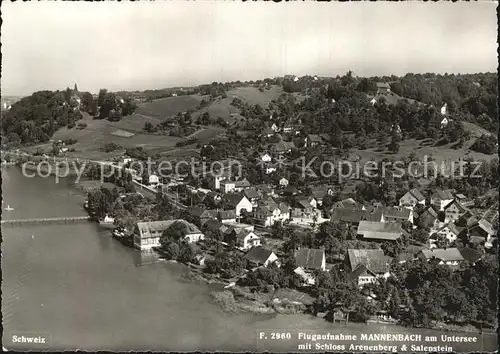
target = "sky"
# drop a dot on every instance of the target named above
(153, 45)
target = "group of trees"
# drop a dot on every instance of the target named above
(435, 292)
(114, 107)
(175, 246)
(34, 119)
(485, 144)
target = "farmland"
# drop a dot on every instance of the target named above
(167, 107)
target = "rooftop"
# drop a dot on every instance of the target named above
(310, 258)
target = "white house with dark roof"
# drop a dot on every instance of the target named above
(244, 239)
(366, 265)
(411, 199)
(312, 140)
(239, 202)
(311, 259)
(391, 214)
(261, 256)
(253, 195)
(440, 198)
(383, 88)
(227, 216)
(268, 215)
(454, 210)
(449, 231)
(147, 234)
(283, 182)
(266, 158)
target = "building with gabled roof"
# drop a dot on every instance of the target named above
(239, 202)
(411, 199)
(312, 140)
(147, 234)
(366, 265)
(454, 210)
(447, 256)
(449, 231)
(227, 216)
(440, 198)
(379, 231)
(261, 256)
(311, 259)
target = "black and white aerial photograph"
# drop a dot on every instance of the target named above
(287, 177)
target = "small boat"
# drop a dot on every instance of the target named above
(9, 208)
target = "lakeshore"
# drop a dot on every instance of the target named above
(98, 280)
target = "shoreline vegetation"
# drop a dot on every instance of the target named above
(240, 300)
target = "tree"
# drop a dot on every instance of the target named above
(101, 97)
(149, 127)
(171, 250)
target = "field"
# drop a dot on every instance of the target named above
(167, 107)
(440, 154)
(253, 96)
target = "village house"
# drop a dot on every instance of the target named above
(202, 259)
(409, 254)
(242, 238)
(449, 232)
(253, 195)
(348, 203)
(397, 214)
(309, 260)
(201, 215)
(147, 234)
(431, 215)
(446, 256)
(383, 88)
(440, 198)
(354, 217)
(306, 203)
(265, 189)
(283, 182)
(227, 216)
(412, 198)
(313, 140)
(220, 176)
(464, 201)
(482, 230)
(260, 256)
(274, 127)
(154, 180)
(268, 132)
(305, 217)
(267, 215)
(454, 210)
(282, 147)
(444, 122)
(228, 186)
(366, 265)
(319, 192)
(379, 231)
(266, 158)
(241, 184)
(239, 202)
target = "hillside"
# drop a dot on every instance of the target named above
(212, 109)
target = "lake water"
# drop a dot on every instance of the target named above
(79, 288)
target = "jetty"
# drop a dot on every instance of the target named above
(46, 221)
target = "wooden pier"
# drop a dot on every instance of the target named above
(46, 221)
